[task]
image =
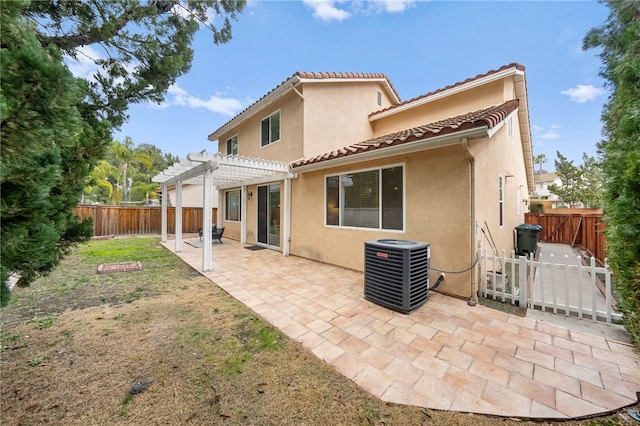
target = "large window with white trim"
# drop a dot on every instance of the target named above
(232, 207)
(366, 199)
(270, 129)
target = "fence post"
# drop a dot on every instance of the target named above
(607, 280)
(522, 285)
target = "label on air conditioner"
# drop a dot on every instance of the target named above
(382, 255)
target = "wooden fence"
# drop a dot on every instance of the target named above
(582, 230)
(121, 220)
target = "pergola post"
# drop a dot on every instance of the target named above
(163, 215)
(206, 220)
(286, 225)
(243, 214)
(178, 216)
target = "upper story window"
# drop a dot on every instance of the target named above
(270, 129)
(232, 145)
(368, 199)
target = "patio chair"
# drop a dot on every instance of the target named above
(216, 233)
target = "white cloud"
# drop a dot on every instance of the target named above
(583, 93)
(339, 10)
(551, 133)
(326, 10)
(85, 66)
(218, 104)
(396, 6)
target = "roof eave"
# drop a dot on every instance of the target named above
(406, 148)
(511, 71)
(258, 106)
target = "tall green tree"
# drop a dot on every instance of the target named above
(570, 176)
(124, 155)
(55, 127)
(141, 47)
(580, 184)
(618, 41)
(47, 150)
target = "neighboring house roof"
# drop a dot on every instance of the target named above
(546, 177)
(486, 118)
(300, 77)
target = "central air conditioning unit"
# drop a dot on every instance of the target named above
(396, 273)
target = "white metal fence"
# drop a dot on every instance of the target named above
(564, 286)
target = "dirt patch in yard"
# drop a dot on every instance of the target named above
(166, 346)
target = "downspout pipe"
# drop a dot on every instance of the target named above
(472, 165)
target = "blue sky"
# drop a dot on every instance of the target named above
(421, 46)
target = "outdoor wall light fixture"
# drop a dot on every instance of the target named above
(249, 195)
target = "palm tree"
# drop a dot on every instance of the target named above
(124, 154)
(99, 182)
(540, 159)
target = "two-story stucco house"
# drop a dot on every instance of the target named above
(327, 161)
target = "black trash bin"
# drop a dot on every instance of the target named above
(527, 239)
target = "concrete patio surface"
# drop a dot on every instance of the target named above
(445, 355)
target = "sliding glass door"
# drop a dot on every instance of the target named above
(269, 215)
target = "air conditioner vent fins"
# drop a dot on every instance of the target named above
(396, 273)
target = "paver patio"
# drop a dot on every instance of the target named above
(445, 355)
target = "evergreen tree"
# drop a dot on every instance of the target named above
(47, 149)
(55, 127)
(619, 46)
(580, 184)
(570, 176)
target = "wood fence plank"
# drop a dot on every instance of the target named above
(584, 230)
(124, 220)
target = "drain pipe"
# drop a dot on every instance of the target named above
(472, 163)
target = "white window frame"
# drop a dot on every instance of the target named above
(379, 228)
(278, 112)
(231, 141)
(226, 205)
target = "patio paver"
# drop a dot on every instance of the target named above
(445, 355)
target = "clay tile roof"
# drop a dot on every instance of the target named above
(451, 86)
(488, 117)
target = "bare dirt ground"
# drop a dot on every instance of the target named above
(166, 346)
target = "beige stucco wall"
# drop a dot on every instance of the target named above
(335, 110)
(500, 156)
(191, 196)
(288, 148)
(474, 99)
(323, 119)
(437, 199)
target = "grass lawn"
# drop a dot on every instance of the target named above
(165, 346)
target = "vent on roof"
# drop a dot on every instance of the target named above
(396, 273)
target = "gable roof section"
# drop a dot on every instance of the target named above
(478, 80)
(483, 119)
(298, 78)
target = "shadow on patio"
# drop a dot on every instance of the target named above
(445, 355)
